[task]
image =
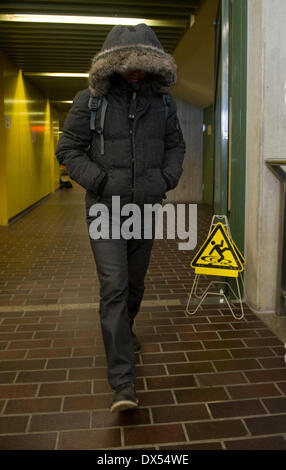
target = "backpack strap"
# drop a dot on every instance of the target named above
(167, 102)
(93, 104)
(96, 103)
(102, 119)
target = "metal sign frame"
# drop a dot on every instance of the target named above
(223, 298)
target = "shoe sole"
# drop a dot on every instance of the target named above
(123, 405)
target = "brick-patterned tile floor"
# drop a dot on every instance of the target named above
(204, 382)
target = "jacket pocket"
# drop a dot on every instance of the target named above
(166, 180)
(102, 185)
(106, 187)
(156, 183)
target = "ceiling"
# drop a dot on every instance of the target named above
(44, 47)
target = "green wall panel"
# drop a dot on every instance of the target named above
(208, 156)
(238, 128)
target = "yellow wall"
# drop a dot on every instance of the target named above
(29, 170)
(3, 186)
(194, 56)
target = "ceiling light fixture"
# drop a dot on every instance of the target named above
(62, 101)
(96, 20)
(55, 74)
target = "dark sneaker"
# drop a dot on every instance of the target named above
(136, 344)
(124, 398)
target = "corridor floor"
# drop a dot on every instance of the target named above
(204, 382)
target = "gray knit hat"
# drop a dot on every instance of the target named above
(132, 48)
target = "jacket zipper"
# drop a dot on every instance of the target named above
(133, 116)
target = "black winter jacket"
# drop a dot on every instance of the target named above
(143, 155)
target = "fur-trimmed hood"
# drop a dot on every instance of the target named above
(132, 48)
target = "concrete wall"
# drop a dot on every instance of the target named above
(190, 185)
(266, 139)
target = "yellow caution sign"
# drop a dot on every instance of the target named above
(219, 256)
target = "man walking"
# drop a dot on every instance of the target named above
(122, 138)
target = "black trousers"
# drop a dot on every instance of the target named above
(121, 267)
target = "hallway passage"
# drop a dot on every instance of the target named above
(205, 382)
